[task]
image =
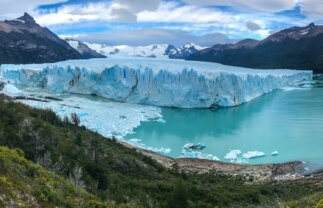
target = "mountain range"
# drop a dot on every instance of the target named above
(84, 49)
(23, 41)
(292, 48)
(151, 51)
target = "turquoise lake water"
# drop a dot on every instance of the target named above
(290, 122)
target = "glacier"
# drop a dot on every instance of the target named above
(158, 82)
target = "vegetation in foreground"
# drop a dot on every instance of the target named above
(25, 184)
(109, 173)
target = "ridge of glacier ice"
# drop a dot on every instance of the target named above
(171, 83)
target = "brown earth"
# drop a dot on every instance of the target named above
(290, 171)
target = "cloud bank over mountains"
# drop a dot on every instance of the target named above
(129, 21)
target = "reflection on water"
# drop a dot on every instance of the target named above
(290, 122)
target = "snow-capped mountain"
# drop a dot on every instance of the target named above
(182, 52)
(83, 49)
(152, 51)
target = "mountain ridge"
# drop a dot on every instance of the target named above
(293, 48)
(83, 49)
(23, 41)
(151, 51)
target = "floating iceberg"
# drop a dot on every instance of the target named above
(253, 154)
(275, 153)
(172, 83)
(232, 155)
(190, 150)
(238, 157)
(198, 154)
(190, 146)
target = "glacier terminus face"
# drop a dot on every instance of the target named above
(157, 82)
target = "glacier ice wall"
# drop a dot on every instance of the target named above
(172, 83)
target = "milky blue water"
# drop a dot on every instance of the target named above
(290, 122)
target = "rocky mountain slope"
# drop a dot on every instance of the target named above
(152, 51)
(23, 41)
(294, 48)
(84, 49)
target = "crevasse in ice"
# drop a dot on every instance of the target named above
(172, 83)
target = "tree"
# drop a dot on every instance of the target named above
(75, 119)
(179, 196)
(76, 176)
(66, 119)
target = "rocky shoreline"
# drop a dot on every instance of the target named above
(281, 172)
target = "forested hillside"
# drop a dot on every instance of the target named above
(113, 173)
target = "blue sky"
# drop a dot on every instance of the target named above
(141, 22)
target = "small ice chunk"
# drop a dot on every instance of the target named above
(253, 154)
(197, 154)
(190, 146)
(232, 155)
(215, 158)
(274, 153)
(161, 120)
(138, 143)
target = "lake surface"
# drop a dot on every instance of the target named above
(290, 122)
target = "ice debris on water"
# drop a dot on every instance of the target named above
(190, 146)
(237, 156)
(138, 143)
(253, 154)
(194, 151)
(274, 153)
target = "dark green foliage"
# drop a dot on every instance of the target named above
(113, 172)
(24, 184)
(75, 119)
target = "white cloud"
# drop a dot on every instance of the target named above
(260, 5)
(69, 14)
(15, 8)
(117, 10)
(138, 5)
(171, 12)
(153, 36)
(253, 26)
(312, 8)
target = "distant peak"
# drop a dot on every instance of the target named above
(27, 18)
(311, 25)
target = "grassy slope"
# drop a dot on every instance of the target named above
(115, 173)
(24, 184)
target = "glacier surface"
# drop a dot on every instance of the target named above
(158, 82)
